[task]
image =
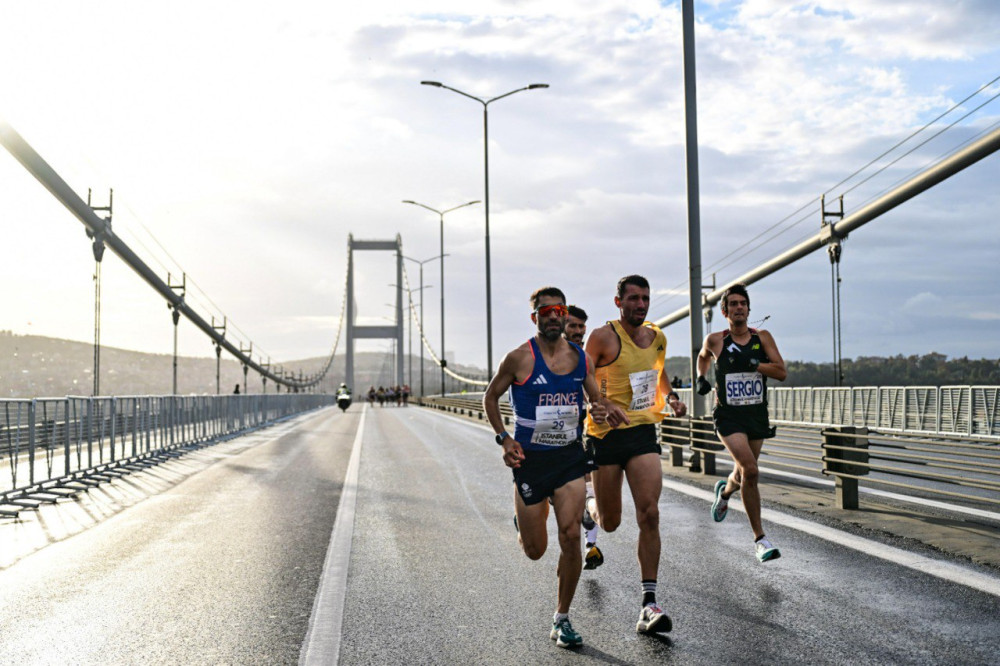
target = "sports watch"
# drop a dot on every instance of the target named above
(502, 436)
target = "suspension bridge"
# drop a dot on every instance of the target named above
(274, 528)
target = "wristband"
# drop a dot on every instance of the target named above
(501, 437)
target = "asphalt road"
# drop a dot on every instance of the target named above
(223, 566)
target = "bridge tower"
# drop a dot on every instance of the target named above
(355, 332)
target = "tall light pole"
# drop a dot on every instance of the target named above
(441, 214)
(421, 290)
(486, 170)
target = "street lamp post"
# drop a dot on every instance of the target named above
(486, 171)
(441, 214)
(421, 290)
(409, 299)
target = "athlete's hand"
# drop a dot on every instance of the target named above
(704, 388)
(599, 412)
(678, 407)
(616, 415)
(513, 454)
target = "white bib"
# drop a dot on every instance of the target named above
(556, 425)
(643, 390)
(744, 388)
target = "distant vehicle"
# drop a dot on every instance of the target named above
(343, 397)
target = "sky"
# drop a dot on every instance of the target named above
(246, 141)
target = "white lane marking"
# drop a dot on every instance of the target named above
(938, 568)
(322, 642)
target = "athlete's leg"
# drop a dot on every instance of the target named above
(645, 480)
(568, 504)
(745, 470)
(606, 510)
(531, 532)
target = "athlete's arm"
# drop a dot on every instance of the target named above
(775, 366)
(674, 400)
(707, 353)
(505, 376)
(602, 410)
(601, 346)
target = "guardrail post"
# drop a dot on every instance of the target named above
(842, 446)
(31, 443)
(67, 437)
(672, 433)
(703, 435)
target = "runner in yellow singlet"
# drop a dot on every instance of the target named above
(629, 357)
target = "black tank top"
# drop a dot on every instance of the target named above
(737, 386)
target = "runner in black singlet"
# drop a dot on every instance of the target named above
(744, 359)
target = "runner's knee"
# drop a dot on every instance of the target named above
(749, 474)
(648, 517)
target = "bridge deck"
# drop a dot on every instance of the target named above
(216, 557)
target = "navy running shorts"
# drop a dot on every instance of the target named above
(543, 472)
(622, 444)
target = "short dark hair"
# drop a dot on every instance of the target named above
(546, 291)
(578, 312)
(636, 280)
(738, 289)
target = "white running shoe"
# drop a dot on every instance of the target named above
(765, 550)
(652, 619)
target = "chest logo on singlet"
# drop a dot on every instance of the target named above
(733, 347)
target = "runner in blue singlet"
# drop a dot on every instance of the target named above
(548, 378)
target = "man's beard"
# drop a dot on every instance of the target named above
(552, 333)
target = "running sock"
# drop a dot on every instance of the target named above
(559, 616)
(592, 536)
(759, 538)
(590, 488)
(648, 592)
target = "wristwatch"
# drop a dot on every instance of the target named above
(502, 436)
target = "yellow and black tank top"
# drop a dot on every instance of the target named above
(632, 380)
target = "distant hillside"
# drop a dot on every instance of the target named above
(34, 366)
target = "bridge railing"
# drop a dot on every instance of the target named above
(52, 447)
(973, 411)
(960, 468)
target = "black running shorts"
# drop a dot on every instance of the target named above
(543, 472)
(730, 421)
(622, 444)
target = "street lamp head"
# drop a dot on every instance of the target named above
(537, 85)
(431, 83)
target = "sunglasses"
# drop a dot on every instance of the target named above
(558, 310)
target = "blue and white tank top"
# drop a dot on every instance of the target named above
(548, 408)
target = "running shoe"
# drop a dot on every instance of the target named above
(652, 619)
(765, 551)
(594, 558)
(721, 505)
(564, 635)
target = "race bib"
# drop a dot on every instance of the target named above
(556, 425)
(744, 388)
(643, 390)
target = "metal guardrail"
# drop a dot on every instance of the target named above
(954, 467)
(56, 447)
(973, 411)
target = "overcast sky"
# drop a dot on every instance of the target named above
(246, 141)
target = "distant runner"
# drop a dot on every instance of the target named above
(744, 359)
(546, 378)
(576, 329)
